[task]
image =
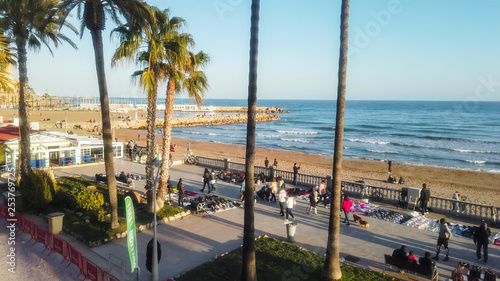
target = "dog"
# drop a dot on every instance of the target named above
(360, 221)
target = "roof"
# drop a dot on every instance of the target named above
(10, 132)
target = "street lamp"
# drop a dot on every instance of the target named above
(154, 274)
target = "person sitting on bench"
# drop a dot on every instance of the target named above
(400, 253)
(426, 261)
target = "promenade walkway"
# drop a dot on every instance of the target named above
(191, 241)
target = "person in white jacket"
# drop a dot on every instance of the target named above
(290, 202)
(282, 200)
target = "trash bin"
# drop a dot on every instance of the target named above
(55, 222)
(290, 231)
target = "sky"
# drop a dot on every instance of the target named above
(398, 50)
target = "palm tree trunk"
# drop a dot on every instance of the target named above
(24, 123)
(331, 269)
(151, 147)
(106, 125)
(167, 131)
(248, 271)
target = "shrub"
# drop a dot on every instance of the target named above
(89, 202)
(168, 211)
(38, 189)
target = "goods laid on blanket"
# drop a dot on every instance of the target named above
(413, 219)
(211, 203)
(126, 177)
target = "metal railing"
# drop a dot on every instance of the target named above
(390, 195)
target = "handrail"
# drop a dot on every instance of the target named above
(438, 204)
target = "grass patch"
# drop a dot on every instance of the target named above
(275, 261)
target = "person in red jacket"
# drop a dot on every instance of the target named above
(346, 206)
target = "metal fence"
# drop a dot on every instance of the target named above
(390, 195)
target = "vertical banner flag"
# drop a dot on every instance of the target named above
(131, 238)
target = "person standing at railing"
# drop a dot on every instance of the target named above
(425, 196)
(296, 169)
(275, 164)
(456, 196)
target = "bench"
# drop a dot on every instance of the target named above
(410, 266)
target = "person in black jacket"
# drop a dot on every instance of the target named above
(206, 180)
(400, 253)
(149, 254)
(425, 196)
(426, 261)
(480, 237)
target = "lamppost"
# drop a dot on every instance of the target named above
(154, 274)
(66, 120)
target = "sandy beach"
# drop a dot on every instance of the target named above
(479, 187)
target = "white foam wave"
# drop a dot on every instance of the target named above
(268, 136)
(476, 161)
(295, 140)
(380, 151)
(474, 151)
(286, 146)
(296, 132)
(369, 141)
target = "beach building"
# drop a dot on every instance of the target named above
(50, 149)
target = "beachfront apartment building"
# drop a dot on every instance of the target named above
(52, 149)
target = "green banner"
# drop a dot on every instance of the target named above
(131, 238)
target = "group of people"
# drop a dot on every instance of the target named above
(425, 261)
(209, 180)
(458, 206)
(266, 163)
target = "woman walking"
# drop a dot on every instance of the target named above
(313, 199)
(180, 189)
(346, 206)
(290, 202)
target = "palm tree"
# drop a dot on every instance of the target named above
(94, 20)
(248, 269)
(152, 55)
(331, 269)
(182, 69)
(7, 84)
(30, 23)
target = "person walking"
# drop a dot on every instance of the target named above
(282, 200)
(296, 169)
(313, 198)
(274, 189)
(290, 202)
(149, 254)
(425, 196)
(322, 192)
(346, 207)
(443, 238)
(180, 189)
(481, 239)
(139, 137)
(266, 162)
(212, 181)
(389, 164)
(206, 180)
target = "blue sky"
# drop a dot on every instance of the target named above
(398, 50)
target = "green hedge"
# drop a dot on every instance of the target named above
(38, 189)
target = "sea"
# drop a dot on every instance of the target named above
(455, 134)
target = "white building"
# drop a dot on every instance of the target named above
(51, 149)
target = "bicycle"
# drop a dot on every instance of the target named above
(191, 159)
(376, 195)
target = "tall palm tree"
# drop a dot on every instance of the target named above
(146, 45)
(331, 269)
(182, 71)
(94, 20)
(7, 84)
(248, 269)
(30, 23)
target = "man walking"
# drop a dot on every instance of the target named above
(481, 236)
(425, 195)
(389, 163)
(296, 169)
(322, 192)
(444, 237)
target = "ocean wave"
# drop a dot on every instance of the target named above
(369, 141)
(474, 151)
(268, 136)
(383, 152)
(479, 162)
(295, 140)
(296, 132)
(438, 138)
